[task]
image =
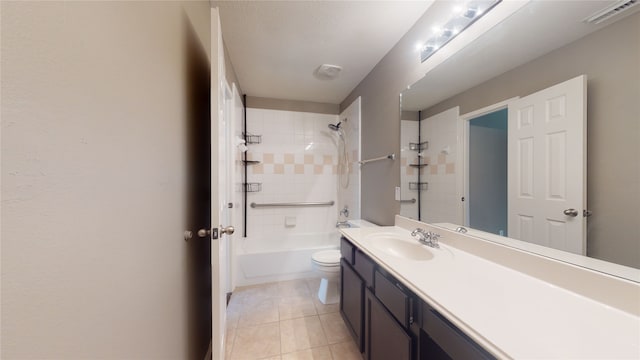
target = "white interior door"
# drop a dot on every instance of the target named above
(547, 167)
(220, 213)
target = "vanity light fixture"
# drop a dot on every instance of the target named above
(461, 18)
(611, 11)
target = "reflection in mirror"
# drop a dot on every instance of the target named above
(480, 163)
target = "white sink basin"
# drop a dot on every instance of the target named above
(399, 247)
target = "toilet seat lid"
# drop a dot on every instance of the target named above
(327, 257)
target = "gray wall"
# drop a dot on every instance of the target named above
(609, 57)
(380, 91)
(94, 188)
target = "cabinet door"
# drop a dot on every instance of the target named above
(440, 339)
(385, 338)
(351, 301)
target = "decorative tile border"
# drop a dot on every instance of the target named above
(281, 164)
(441, 167)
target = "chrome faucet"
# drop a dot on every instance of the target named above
(426, 237)
(345, 211)
(461, 229)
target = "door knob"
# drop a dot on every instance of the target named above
(213, 233)
(227, 230)
(204, 232)
(571, 212)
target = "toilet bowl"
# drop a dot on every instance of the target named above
(327, 264)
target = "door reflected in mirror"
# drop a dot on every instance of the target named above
(482, 167)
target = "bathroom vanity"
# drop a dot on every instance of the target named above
(389, 321)
(472, 299)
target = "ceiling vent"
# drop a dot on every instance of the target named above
(327, 72)
(611, 11)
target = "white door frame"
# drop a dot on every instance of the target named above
(463, 155)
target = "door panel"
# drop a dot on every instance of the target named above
(351, 301)
(547, 162)
(385, 338)
(218, 185)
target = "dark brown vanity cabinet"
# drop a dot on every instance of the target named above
(378, 325)
(351, 301)
(356, 271)
(388, 321)
(389, 316)
(441, 340)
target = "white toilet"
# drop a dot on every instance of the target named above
(327, 263)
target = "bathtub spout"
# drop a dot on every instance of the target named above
(343, 224)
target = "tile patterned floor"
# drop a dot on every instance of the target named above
(286, 321)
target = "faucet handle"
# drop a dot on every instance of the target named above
(345, 211)
(418, 231)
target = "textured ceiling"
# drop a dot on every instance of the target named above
(275, 46)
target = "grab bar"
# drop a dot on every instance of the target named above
(390, 156)
(294, 204)
(413, 201)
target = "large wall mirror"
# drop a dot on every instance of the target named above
(532, 131)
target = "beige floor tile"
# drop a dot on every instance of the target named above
(235, 302)
(319, 353)
(301, 334)
(256, 293)
(345, 351)
(230, 336)
(296, 307)
(313, 284)
(293, 288)
(325, 308)
(334, 328)
(256, 342)
(259, 312)
(233, 315)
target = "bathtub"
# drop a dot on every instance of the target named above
(260, 260)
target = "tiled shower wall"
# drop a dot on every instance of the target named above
(298, 163)
(441, 201)
(408, 134)
(350, 196)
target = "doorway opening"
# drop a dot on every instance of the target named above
(487, 172)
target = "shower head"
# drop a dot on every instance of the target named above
(335, 127)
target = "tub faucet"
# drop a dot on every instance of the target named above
(345, 211)
(426, 237)
(343, 224)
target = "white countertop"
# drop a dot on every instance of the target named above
(511, 314)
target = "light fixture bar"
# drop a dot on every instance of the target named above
(460, 19)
